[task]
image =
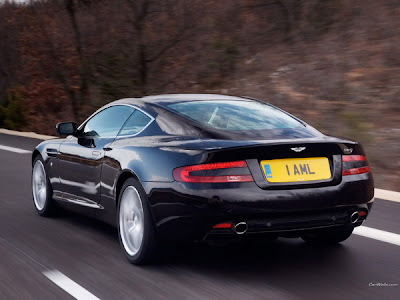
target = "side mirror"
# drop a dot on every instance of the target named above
(66, 128)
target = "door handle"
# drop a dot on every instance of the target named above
(107, 149)
(51, 152)
(96, 153)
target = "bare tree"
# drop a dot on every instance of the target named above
(71, 8)
(9, 27)
(150, 47)
(285, 9)
(76, 93)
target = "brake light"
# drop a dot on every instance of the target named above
(222, 225)
(354, 158)
(355, 164)
(184, 174)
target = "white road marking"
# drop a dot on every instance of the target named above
(387, 195)
(32, 135)
(16, 150)
(376, 234)
(68, 285)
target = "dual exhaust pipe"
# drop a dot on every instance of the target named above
(241, 227)
(354, 217)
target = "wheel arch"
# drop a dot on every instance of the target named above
(35, 153)
(123, 176)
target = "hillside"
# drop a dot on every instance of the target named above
(333, 63)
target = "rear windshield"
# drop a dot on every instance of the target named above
(235, 115)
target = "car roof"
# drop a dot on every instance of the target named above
(183, 97)
(159, 99)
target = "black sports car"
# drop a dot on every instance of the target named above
(203, 167)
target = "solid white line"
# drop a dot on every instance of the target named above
(387, 195)
(68, 285)
(32, 135)
(16, 150)
(377, 234)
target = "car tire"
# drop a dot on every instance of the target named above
(136, 230)
(42, 192)
(328, 236)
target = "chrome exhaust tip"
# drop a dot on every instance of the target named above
(240, 227)
(354, 217)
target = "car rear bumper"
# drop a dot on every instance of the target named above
(185, 211)
(294, 223)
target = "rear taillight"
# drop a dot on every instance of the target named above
(346, 158)
(354, 164)
(236, 171)
(222, 226)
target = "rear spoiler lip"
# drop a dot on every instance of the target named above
(212, 144)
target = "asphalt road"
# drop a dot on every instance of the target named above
(88, 252)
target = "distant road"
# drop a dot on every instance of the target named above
(74, 257)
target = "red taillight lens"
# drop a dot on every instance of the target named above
(355, 164)
(354, 171)
(182, 174)
(362, 213)
(354, 158)
(222, 225)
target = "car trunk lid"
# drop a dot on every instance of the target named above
(300, 160)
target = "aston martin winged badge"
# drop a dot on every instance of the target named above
(298, 149)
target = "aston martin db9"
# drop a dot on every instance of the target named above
(203, 168)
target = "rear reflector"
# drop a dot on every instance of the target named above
(182, 174)
(355, 171)
(362, 213)
(223, 225)
(358, 161)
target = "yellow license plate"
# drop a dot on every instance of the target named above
(296, 169)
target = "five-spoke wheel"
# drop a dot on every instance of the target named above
(41, 189)
(131, 220)
(39, 185)
(135, 225)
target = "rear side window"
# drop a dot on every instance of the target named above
(235, 115)
(108, 122)
(136, 123)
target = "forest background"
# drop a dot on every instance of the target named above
(333, 63)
